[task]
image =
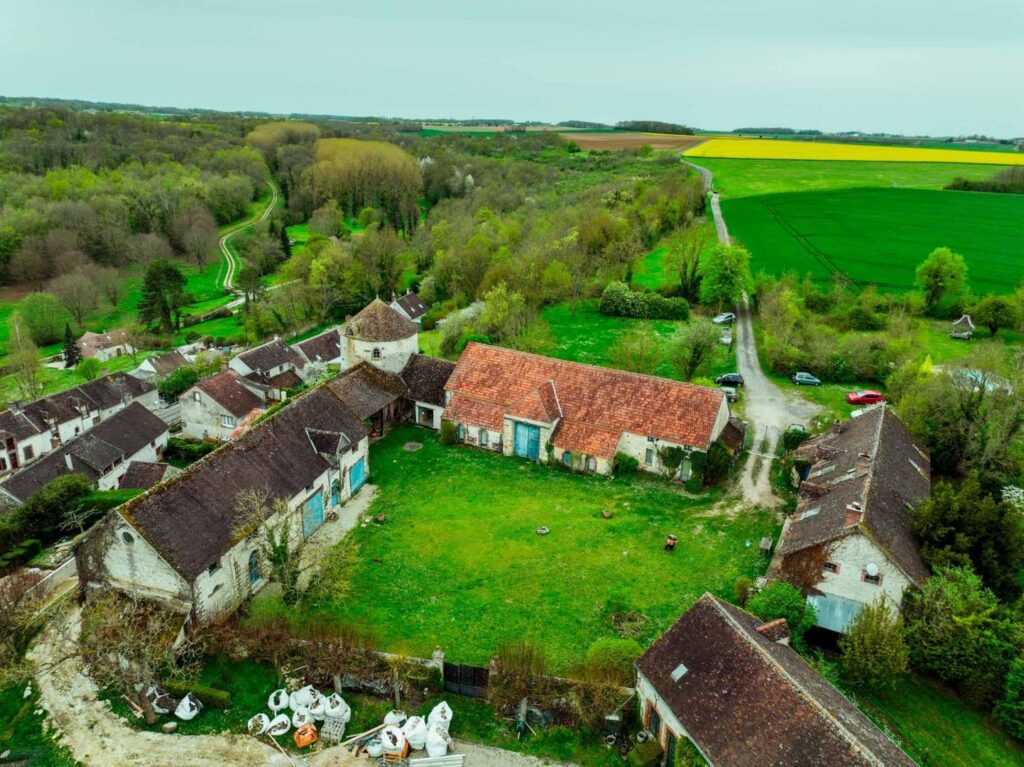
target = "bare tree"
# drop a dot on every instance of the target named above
(272, 522)
(146, 248)
(686, 261)
(195, 233)
(78, 291)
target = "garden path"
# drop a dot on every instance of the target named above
(332, 532)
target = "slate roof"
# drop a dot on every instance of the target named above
(324, 347)
(379, 322)
(289, 379)
(599, 397)
(191, 519)
(871, 460)
(165, 364)
(425, 378)
(749, 701)
(92, 453)
(412, 305)
(366, 389)
(228, 391)
(143, 475)
(270, 355)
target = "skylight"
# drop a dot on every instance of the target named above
(810, 512)
(679, 673)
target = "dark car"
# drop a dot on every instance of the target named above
(805, 379)
(730, 379)
(866, 397)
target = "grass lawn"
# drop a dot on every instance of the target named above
(750, 178)
(653, 273)
(587, 335)
(458, 564)
(880, 236)
(21, 731)
(56, 380)
(939, 729)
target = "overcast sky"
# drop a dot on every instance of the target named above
(904, 66)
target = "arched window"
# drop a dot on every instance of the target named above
(591, 464)
(376, 353)
(567, 458)
(127, 538)
(254, 567)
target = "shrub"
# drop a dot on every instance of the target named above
(448, 433)
(177, 382)
(614, 659)
(742, 588)
(716, 465)
(874, 651)
(89, 369)
(209, 696)
(625, 464)
(646, 754)
(1011, 709)
(618, 300)
(793, 438)
(687, 754)
(186, 450)
(780, 600)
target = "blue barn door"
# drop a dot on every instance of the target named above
(312, 514)
(335, 493)
(527, 441)
(357, 475)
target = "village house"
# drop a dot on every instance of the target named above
(546, 409)
(425, 378)
(325, 348)
(105, 346)
(379, 335)
(731, 685)
(409, 306)
(274, 365)
(849, 542)
(159, 366)
(102, 454)
(187, 543)
(215, 406)
(28, 431)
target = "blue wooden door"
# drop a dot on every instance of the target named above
(527, 441)
(335, 493)
(357, 474)
(312, 515)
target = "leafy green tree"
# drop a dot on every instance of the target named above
(780, 600)
(996, 312)
(941, 276)
(693, 349)
(72, 354)
(1011, 708)
(725, 275)
(89, 369)
(505, 314)
(959, 525)
(163, 296)
(874, 651)
(44, 317)
(42, 515)
(177, 382)
(23, 357)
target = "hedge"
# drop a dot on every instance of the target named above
(187, 450)
(208, 696)
(618, 300)
(646, 754)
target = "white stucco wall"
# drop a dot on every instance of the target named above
(579, 461)
(201, 416)
(650, 699)
(437, 411)
(151, 453)
(852, 554)
(393, 354)
(136, 567)
(471, 436)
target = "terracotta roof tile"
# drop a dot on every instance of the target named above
(475, 412)
(611, 399)
(227, 390)
(577, 437)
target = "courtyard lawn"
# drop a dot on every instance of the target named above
(458, 563)
(22, 735)
(937, 728)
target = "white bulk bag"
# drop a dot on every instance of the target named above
(440, 716)
(392, 739)
(437, 741)
(279, 725)
(302, 699)
(394, 718)
(301, 717)
(278, 701)
(415, 731)
(188, 708)
(259, 724)
(375, 748)
(318, 708)
(337, 708)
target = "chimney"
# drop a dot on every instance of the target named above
(854, 511)
(776, 630)
(68, 461)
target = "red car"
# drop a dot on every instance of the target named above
(867, 397)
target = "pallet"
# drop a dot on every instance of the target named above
(449, 760)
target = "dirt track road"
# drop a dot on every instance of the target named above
(229, 260)
(768, 409)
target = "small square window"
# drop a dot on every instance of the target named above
(652, 439)
(831, 567)
(649, 457)
(28, 452)
(875, 580)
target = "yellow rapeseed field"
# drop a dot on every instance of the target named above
(768, 149)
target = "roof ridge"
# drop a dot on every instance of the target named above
(800, 689)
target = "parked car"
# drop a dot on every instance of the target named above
(730, 393)
(866, 397)
(805, 379)
(730, 379)
(725, 318)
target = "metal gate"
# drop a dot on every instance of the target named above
(466, 680)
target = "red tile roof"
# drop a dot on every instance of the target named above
(475, 412)
(612, 400)
(577, 437)
(227, 390)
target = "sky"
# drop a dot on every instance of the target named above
(900, 66)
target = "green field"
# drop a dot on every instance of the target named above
(879, 236)
(748, 178)
(458, 564)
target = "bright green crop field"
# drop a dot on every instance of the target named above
(879, 236)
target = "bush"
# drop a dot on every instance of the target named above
(177, 382)
(646, 754)
(186, 450)
(209, 696)
(625, 464)
(716, 465)
(89, 369)
(793, 438)
(449, 433)
(742, 589)
(780, 600)
(614, 659)
(618, 300)
(20, 553)
(874, 651)
(1011, 709)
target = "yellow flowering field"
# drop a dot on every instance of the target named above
(768, 149)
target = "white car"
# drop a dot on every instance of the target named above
(725, 318)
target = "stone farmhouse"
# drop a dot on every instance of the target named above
(274, 365)
(215, 407)
(105, 346)
(410, 306)
(325, 348)
(849, 542)
(379, 335)
(28, 431)
(159, 366)
(579, 415)
(732, 686)
(102, 454)
(185, 543)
